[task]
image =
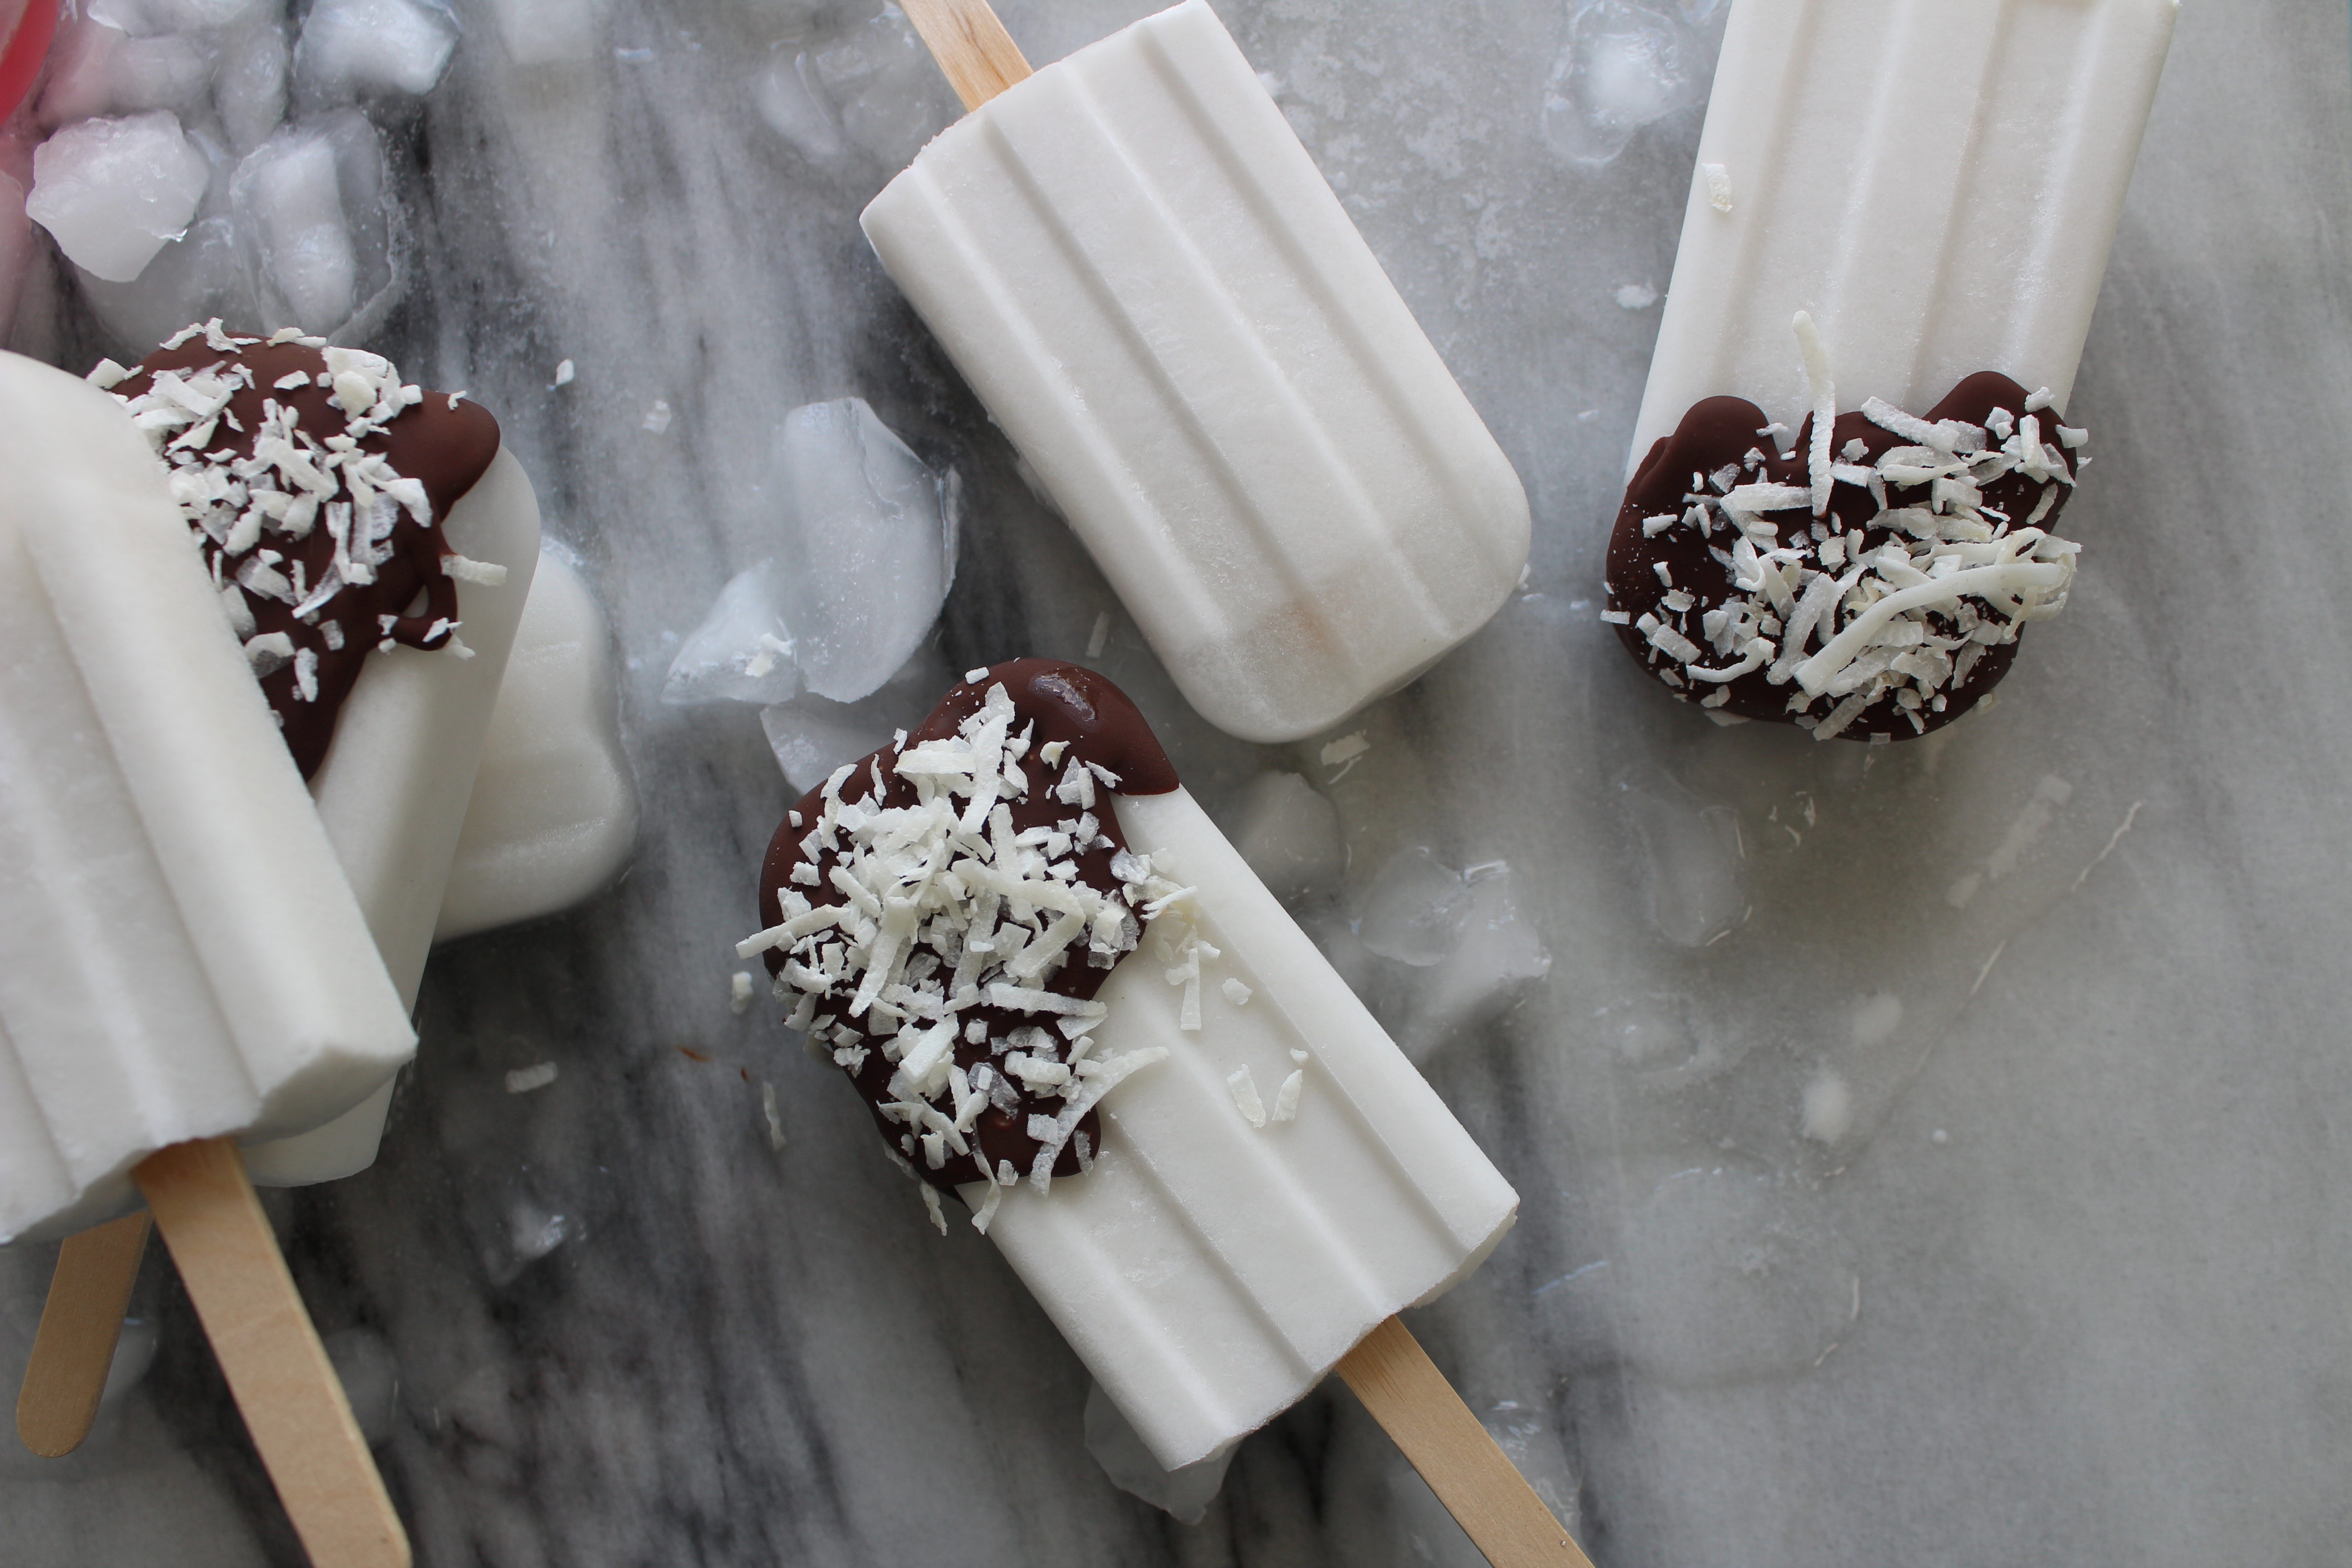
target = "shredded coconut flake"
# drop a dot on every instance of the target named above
(1246, 1099)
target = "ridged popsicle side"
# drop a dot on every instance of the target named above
(111, 1039)
(1209, 1272)
(1937, 181)
(1139, 271)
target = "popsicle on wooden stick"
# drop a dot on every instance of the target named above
(1142, 273)
(181, 957)
(1853, 450)
(387, 720)
(1208, 1162)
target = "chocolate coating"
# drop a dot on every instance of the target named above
(1724, 430)
(447, 450)
(1100, 726)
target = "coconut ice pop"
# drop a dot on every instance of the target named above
(181, 957)
(1851, 451)
(1138, 270)
(1209, 1164)
(386, 711)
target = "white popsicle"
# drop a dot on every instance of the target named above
(1271, 1178)
(554, 807)
(1935, 182)
(181, 955)
(1143, 275)
(1210, 1272)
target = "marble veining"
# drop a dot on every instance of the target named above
(1932, 1154)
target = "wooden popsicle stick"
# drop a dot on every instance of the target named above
(1462, 1463)
(82, 1323)
(292, 1402)
(976, 54)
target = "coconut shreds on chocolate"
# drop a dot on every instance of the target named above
(948, 917)
(1888, 617)
(299, 518)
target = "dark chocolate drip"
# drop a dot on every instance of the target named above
(1724, 430)
(1099, 725)
(445, 449)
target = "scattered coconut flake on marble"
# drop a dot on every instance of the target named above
(1343, 753)
(1636, 296)
(772, 1115)
(739, 991)
(1828, 1106)
(564, 372)
(522, 1080)
(657, 417)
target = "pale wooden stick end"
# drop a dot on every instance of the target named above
(292, 1402)
(1460, 1460)
(975, 53)
(82, 1322)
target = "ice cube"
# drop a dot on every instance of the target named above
(880, 83)
(742, 651)
(146, 17)
(793, 109)
(1289, 834)
(171, 71)
(352, 49)
(81, 63)
(1416, 910)
(867, 547)
(311, 209)
(550, 32)
(1624, 65)
(1495, 955)
(249, 88)
(289, 187)
(191, 280)
(1690, 867)
(1186, 1493)
(111, 192)
(812, 736)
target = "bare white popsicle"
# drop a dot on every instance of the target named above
(1936, 182)
(1139, 271)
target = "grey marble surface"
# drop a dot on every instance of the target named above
(1857, 1226)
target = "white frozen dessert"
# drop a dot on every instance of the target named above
(1138, 268)
(181, 956)
(554, 807)
(1852, 451)
(385, 711)
(1936, 182)
(1208, 1162)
